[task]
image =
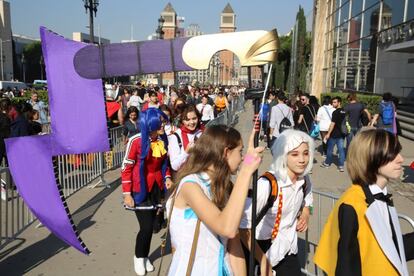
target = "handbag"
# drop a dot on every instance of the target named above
(314, 129)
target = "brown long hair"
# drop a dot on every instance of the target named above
(209, 151)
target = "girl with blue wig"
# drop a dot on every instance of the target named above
(145, 176)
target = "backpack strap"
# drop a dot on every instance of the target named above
(329, 115)
(281, 111)
(180, 144)
(313, 114)
(274, 191)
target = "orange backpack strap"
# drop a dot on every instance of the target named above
(274, 191)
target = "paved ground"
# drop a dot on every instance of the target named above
(110, 232)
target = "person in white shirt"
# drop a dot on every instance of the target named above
(206, 110)
(277, 114)
(135, 100)
(183, 139)
(324, 118)
(276, 233)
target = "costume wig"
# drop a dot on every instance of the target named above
(150, 120)
(287, 141)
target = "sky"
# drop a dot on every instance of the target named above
(115, 17)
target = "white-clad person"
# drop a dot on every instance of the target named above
(183, 139)
(287, 180)
(324, 119)
(205, 109)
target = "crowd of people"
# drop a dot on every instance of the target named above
(21, 119)
(125, 102)
(160, 128)
(173, 160)
(333, 123)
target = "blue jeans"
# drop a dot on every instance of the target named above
(351, 136)
(339, 142)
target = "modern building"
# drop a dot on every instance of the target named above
(82, 37)
(20, 42)
(6, 42)
(363, 45)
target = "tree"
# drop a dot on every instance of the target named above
(283, 62)
(33, 53)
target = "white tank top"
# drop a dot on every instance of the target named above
(211, 256)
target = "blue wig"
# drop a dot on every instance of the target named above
(150, 120)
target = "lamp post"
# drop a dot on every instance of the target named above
(92, 7)
(23, 61)
(41, 67)
(160, 35)
(159, 31)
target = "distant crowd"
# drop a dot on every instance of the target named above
(336, 125)
(21, 119)
(124, 103)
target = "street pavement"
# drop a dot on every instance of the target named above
(109, 231)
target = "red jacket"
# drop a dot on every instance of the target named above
(131, 164)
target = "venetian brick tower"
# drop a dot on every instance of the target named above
(227, 24)
(170, 32)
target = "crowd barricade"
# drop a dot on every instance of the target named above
(323, 204)
(75, 171)
(229, 116)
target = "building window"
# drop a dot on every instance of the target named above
(410, 10)
(351, 76)
(370, 3)
(356, 7)
(392, 13)
(228, 19)
(168, 18)
(371, 20)
(368, 57)
(345, 12)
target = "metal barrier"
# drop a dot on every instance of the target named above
(323, 204)
(229, 116)
(75, 171)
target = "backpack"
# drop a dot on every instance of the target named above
(314, 129)
(363, 120)
(274, 193)
(180, 143)
(285, 123)
(387, 113)
(345, 128)
(265, 112)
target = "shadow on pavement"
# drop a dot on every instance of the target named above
(37, 253)
(157, 252)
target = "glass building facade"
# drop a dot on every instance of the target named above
(368, 45)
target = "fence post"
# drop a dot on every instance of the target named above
(101, 181)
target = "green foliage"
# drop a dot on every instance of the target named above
(371, 101)
(283, 62)
(43, 96)
(279, 75)
(33, 55)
